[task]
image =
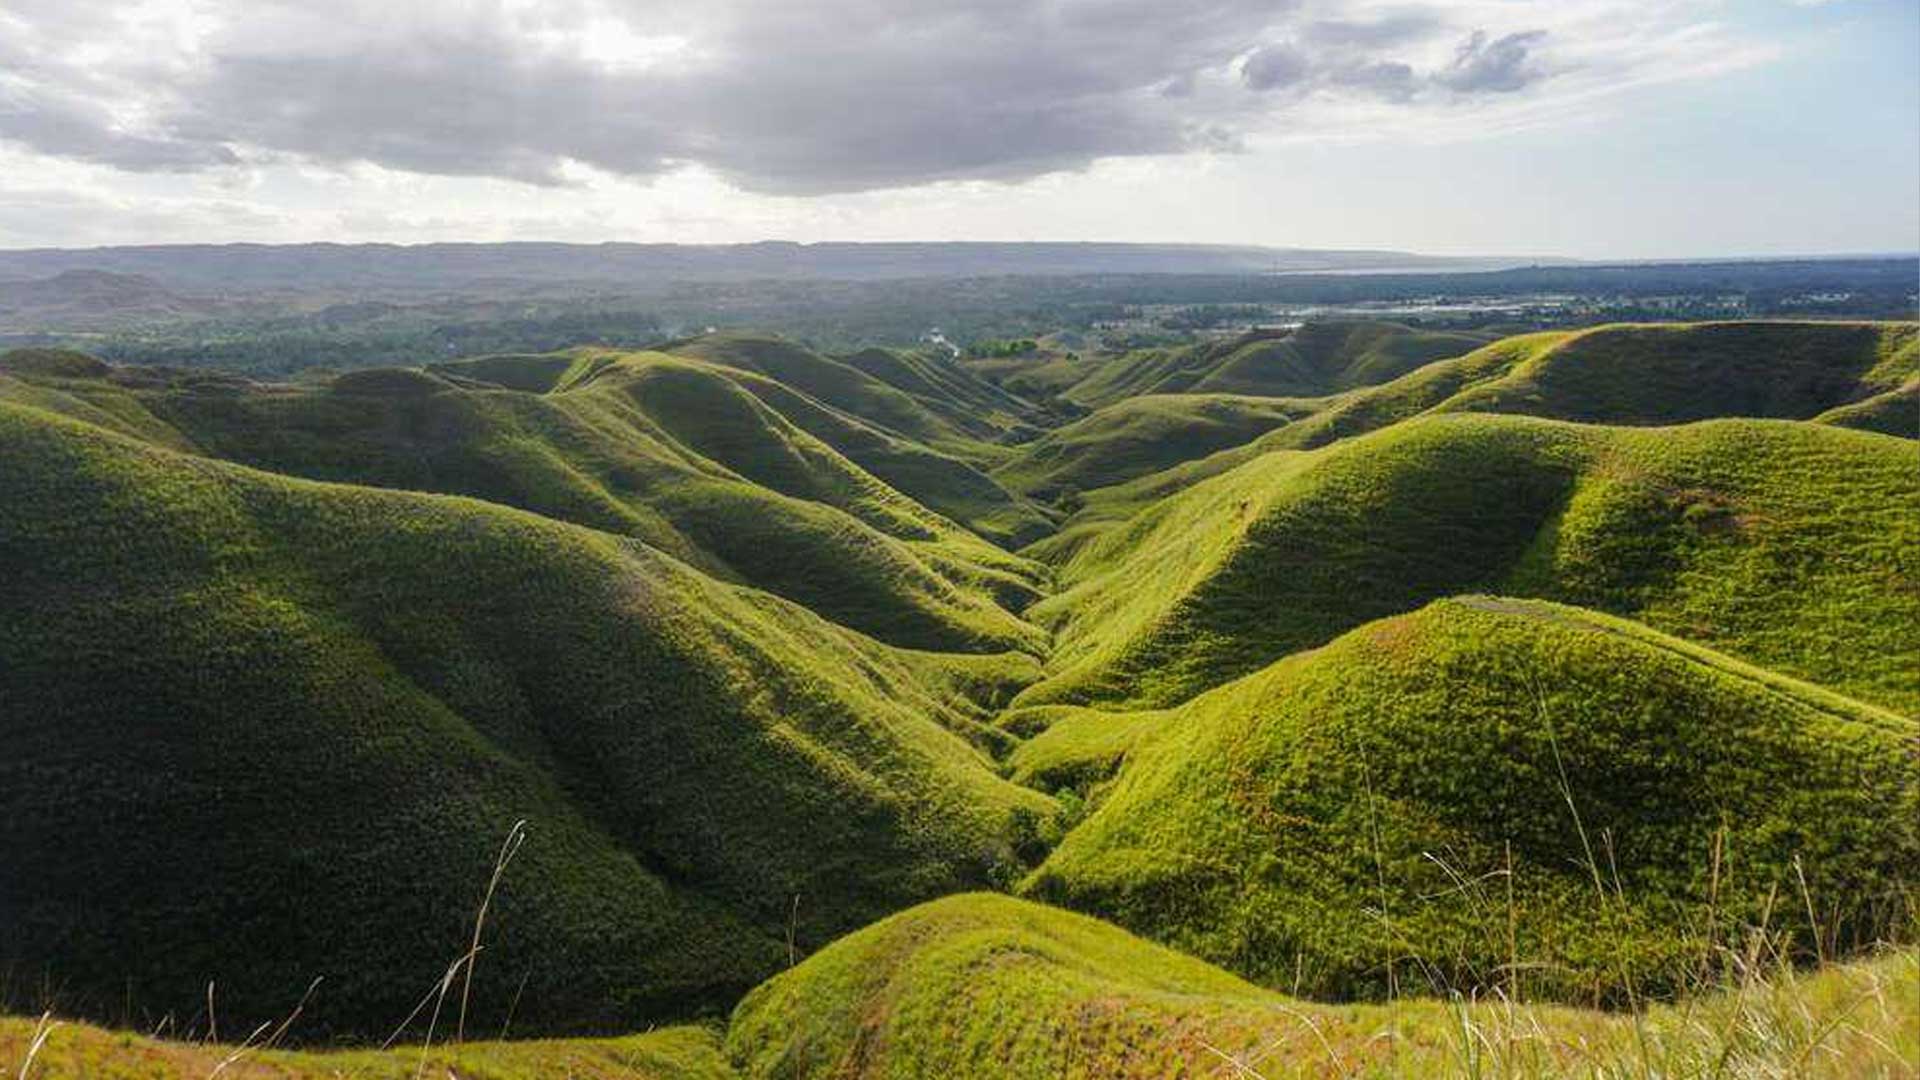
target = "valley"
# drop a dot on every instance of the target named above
(1357, 698)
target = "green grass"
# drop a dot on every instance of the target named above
(736, 626)
(1673, 374)
(1851, 374)
(944, 385)
(264, 729)
(925, 425)
(921, 411)
(1890, 412)
(1039, 376)
(1142, 435)
(984, 986)
(1316, 359)
(75, 1051)
(676, 453)
(1788, 544)
(1433, 798)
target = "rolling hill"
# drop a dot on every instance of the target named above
(1353, 662)
(671, 451)
(1428, 797)
(85, 1052)
(263, 729)
(989, 987)
(1313, 360)
(1787, 544)
(1852, 374)
(1142, 435)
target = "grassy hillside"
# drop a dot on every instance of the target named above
(1039, 376)
(1790, 545)
(944, 385)
(82, 1052)
(737, 629)
(1142, 435)
(1316, 359)
(1890, 412)
(1673, 374)
(1858, 375)
(984, 986)
(673, 452)
(1432, 797)
(945, 483)
(923, 411)
(264, 729)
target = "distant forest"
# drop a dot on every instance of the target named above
(338, 325)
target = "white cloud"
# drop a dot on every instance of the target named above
(830, 96)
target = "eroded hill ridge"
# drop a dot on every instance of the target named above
(771, 645)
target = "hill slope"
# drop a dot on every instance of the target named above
(82, 1052)
(922, 412)
(263, 729)
(1141, 435)
(1316, 359)
(984, 986)
(1860, 375)
(1788, 544)
(1431, 796)
(673, 452)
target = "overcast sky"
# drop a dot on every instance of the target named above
(1598, 128)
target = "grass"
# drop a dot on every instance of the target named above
(941, 410)
(1019, 990)
(735, 627)
(84, 1052)
(985, 986)
(1040, 376)
(1316, 359)
(1431, 797)
(1890, 412)
(1674, 374)
(1787, 544)
(1142, 435)
(1850, 374)
(676, 453)
(264, 729)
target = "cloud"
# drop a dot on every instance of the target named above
(1502, 65)
(1274, 67)
(790, 98)
(53, 217)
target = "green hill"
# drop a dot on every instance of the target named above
(929, 429)
(982, 986)
(1788, 544)
(741, 631)
(942, 482)
(1674, 374)
(921, 412)
(1040, 375)
(670, 451)
(1315, 359)
(1890, 412)
(1859, 375)
(988, 987)
(263, 729)
(944, 385)
(84, 1052)
(1142, 435)
(1431, 797)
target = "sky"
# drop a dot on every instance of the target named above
(1585, 128)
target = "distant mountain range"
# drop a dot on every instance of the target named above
(229, 267)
